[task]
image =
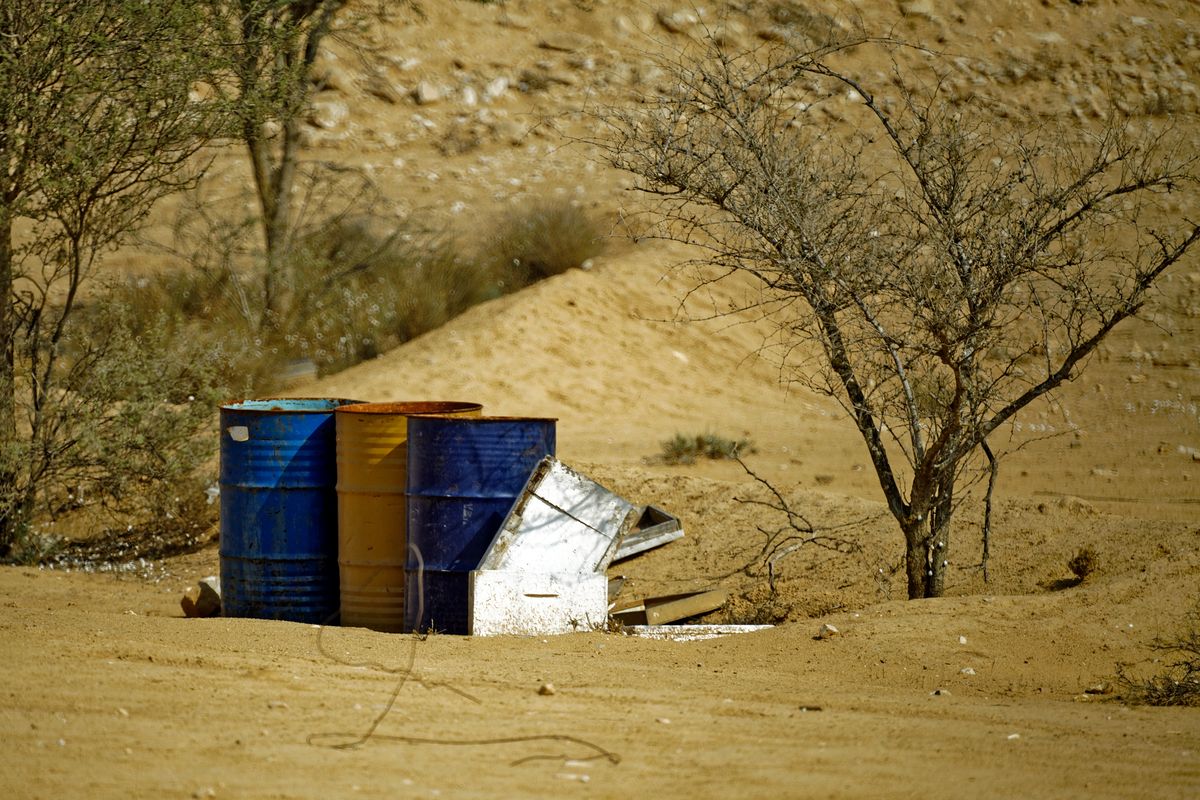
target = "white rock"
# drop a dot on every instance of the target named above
(679, 21)
(426, 93)
(328, 114)
(495, 88)
(827, 631)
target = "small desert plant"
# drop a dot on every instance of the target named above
(1083, 563)
(1177, 681)
(546, 238)
(684, 449)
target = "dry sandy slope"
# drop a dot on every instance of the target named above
(108, 692)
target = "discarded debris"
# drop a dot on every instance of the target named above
(562, 522)
(691, 633)
(827, 632)
(669, 608)
(653, 529)
(547, 689)
(203, 599)
(544, 572)
(536, 604)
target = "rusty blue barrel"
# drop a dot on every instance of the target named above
(279, 509)
(464, 474)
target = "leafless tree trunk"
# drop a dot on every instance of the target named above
(274, 47)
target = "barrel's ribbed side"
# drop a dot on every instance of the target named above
(279, 511)
(463, 477)
(372, 467)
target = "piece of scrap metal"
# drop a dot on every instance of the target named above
(562, 523)
(507, 602)
(654, 529)
(691, 633)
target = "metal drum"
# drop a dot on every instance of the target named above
(279, 509)
(372, 469)
(464, 474)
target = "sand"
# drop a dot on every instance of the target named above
(1001, 689)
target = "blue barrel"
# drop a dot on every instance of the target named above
(464, 474)
(279, 509)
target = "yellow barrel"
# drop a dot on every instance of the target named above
(372, 471)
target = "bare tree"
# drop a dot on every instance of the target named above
(269, 50)
(949, 268)
(96, 124)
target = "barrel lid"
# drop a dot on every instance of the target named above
(411, 407)
(296, 405)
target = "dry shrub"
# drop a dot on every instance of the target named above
(1176, 680)
(1084, 563)
(685, 449)
(543, 239)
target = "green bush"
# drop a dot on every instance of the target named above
(126, 436)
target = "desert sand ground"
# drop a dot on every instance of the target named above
(110, 692)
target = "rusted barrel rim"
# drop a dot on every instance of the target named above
(478, 420)
(291, 405)
(411, 408)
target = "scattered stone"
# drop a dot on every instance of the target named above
(515, 21)
(940, 693)
(547, 689)
(827, 631)
(328, 114)
(967, 671)
(679, 21)
(495, 88)
(663, 721)
(426, 93)
(962, 640)
(276, 704)
(1076, 506)
(1104, 687)
(203, 599)
(1014, 736)
(918, 8)
(326, 75)
(564, 42)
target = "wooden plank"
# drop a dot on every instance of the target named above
(669, 608)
